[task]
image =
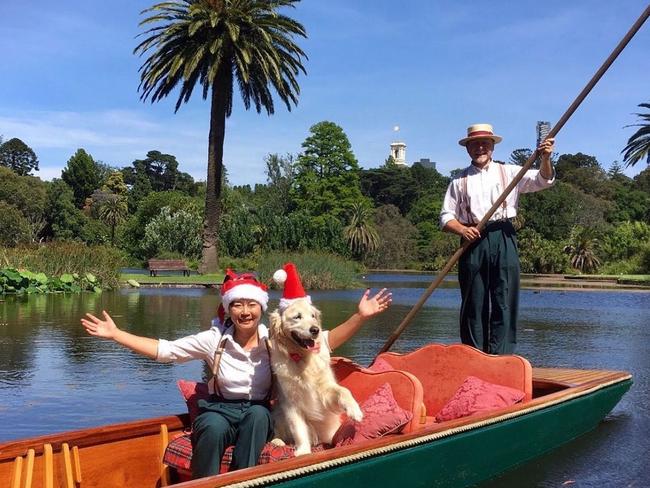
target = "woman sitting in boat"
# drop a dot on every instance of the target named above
(237, 352)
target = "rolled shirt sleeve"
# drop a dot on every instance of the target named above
(196, 346)
(450, 204)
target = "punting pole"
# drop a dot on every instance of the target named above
(556, 128)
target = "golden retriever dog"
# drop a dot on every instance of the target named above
(309, 401)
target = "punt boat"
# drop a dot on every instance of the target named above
(557, 405)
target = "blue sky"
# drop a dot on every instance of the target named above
(69, 79)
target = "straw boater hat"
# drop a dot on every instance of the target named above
(480, 131)
(239, 287)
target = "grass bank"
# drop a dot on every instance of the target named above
(173, 279)
(318, 271)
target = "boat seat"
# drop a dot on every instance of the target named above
(442, 369)
(361, 382)
(178, 455)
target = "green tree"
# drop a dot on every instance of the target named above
(625, 240)
(161, 170)
(28, 194)
(582, 248)
(554, 212)
(18, 156)
(638, 145)
(149, 208)
(397, 246)
(82, 175)
(64, 219)
(114, 183)
(327, 173)
(360, 232)
(390, 162)
(113, 212)
(641, 181)
(14, 228)
(520, 156)
(216, 43)
(539, 255)
(280, 173)
(390, 185)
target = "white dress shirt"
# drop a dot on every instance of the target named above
(242, 375)
(484, 186)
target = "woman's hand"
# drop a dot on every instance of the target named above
(369, 307)
(100, 328)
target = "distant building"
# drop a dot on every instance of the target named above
(398, 152)
(543, 128)
(426, 162)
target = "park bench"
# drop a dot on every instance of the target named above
(156, 265)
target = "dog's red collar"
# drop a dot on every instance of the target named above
(295, 356)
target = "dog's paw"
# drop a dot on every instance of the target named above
(304, 449)
(354, 412)
(278, 442)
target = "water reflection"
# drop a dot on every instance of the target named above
(55, 377)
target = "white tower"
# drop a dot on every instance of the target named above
(398, 150)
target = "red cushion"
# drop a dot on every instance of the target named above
(381, 365)
(477, 396)
(193, 392)
(381, 415)
(179, 454)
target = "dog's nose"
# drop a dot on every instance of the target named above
(314, 330)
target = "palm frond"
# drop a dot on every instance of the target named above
(638, 145)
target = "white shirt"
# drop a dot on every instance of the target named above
(484, 186)
(242, 375)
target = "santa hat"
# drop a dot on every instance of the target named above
(293, 290)
(237, 287)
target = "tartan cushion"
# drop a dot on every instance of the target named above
(179, 453)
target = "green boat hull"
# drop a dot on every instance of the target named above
(471, 456)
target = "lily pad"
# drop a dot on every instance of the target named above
(133, 283)
(66, 278)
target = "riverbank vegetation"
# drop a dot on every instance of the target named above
(317, 208)
(59, 267)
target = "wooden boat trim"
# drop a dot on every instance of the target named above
(296, 467)
(93, 436)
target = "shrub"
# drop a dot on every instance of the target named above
(174, 232)
(318, 271)
(71, 257)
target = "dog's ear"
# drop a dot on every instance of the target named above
(275, 321)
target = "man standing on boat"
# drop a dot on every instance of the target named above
(488, 272)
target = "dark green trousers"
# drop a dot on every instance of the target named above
(220, 424)
(488, 274)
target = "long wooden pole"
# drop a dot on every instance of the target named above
(556, 128)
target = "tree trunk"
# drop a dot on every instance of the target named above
(210, 254)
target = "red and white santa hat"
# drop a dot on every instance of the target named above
(293, 290)
(244, 286)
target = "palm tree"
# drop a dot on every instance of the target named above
(113, 212)
(582, 249)
(638, 146)
(360, 234)
(217, 43)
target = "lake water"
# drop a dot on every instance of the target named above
(54, 377)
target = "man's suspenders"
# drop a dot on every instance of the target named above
(465, 197)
